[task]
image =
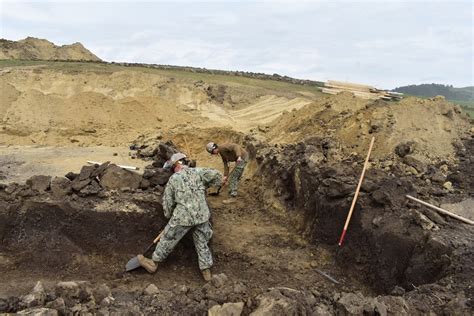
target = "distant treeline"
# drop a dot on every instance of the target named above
(434, 89)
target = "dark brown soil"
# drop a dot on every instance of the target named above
(284, 226)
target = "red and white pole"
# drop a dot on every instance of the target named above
(356, 193)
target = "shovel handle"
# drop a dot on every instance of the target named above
(158, 237)
(154, 241)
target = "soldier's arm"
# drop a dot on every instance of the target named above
(210, 177)
(168, 200)
(237, 150)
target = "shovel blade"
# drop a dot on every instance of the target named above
(132, 264)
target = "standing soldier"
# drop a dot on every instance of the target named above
(230, 152)
(184, 203)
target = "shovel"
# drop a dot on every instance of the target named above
(133, 263)
(220, 187)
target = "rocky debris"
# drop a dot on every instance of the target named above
(284, 301)
(102, 292)
(420, 219)
(58, 304)
(75, 297)
(93, 180)
(157, 176)
(148, 150)
(71, 175)
(448, 185)
(219, 280)
(151, 289)
(74, 292)
(60, 187)
(42, 311)
(35, 298)
(336, 188)
(115, 177)
(415, 163)
(404, 149)
(39, 183)
(357, 304)
(227, 309)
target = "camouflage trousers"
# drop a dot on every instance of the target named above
(235, 176)
(202, 234)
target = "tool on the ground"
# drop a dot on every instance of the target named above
(133, 263)
(220, 187)
(123, 167)
(356, 193)
(330, 278)
(463, 219)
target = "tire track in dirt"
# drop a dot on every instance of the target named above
(262, 112)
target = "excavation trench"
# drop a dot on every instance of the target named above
(61, 241)
(385, 247)
(64, 241)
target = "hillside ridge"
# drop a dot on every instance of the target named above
(32, 48)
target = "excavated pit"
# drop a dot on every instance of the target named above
(387, 249)
(387, 245)
(383, 248)
(63, 240)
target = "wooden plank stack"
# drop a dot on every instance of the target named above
(360, 90)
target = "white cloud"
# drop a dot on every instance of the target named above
(385, 43)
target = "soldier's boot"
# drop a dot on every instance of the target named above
(148, 264)
(206, 274)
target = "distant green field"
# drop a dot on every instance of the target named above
(175, 73)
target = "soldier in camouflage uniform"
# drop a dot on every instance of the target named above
(184, 203)
(229, 153)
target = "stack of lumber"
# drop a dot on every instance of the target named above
(360, 90)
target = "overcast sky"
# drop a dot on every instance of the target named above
(382, 43)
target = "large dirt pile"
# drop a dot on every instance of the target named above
(432, 128)
(93, 106)
(32, 48)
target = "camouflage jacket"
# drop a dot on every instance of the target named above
(184, 199)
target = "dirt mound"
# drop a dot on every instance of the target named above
(113, 106)
(433, 127)
(32, 48)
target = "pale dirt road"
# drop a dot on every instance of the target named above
(18, 163)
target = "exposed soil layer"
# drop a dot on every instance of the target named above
(62, 240)
(307, 153)
(391, 242)
(80, 239)
(390, 249)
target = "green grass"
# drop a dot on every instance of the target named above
(469, 111)
(172, 73)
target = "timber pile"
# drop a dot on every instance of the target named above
(360, 90)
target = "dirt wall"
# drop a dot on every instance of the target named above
(388, 243)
